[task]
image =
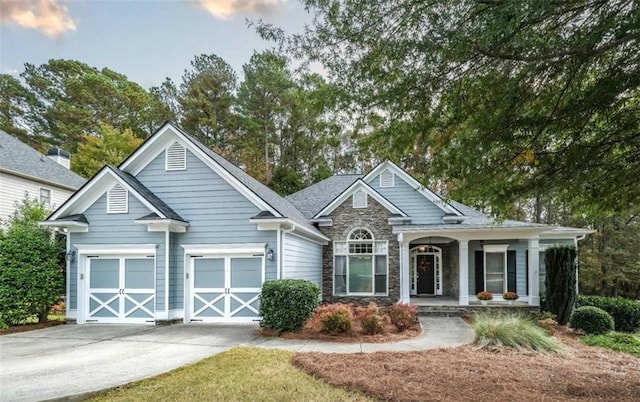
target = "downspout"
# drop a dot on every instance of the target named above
(67, 302)
(279, 251)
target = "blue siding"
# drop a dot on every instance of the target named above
(118, 229)
(217, 213)
(410, 201)
(521, 263)
(302, 259)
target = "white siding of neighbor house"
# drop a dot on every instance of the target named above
(13, 189)
(302, 259)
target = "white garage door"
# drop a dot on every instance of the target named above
(226, 288)
(120, 290)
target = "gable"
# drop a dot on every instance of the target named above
(358, 195)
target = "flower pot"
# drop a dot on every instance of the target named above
(484, 302)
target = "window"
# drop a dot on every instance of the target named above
(359, 199)
(176, 157)
(360, 265)
(387, 178)
(117, 200)
(495, 273)
(45, 196)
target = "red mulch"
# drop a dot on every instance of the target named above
(578, 373)
(355, 336)
(30, 327)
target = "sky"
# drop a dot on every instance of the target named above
(146, 40)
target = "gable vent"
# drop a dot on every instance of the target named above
(387, 178)
(176, 157)
(117, 200)
(359, 199)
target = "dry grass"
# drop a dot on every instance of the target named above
(579, 373)
(240, 374)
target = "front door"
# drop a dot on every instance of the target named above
(425, 269)
(226, 288)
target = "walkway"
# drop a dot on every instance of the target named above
(75, 359)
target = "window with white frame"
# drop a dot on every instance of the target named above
(45, 196)
(495, 272)
(360, 265)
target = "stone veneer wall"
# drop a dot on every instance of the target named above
(450, 270)
(374, 218)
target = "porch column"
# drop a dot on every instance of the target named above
(404, 273)
(534, 272)
(463, 272)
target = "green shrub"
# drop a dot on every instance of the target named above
(403, 316)
(31, 267)
(591, 320)
(372, 319)
(512, 330)
(625, 312)
(286, 304)
(560, 281)
(618, 341)
(334, 319)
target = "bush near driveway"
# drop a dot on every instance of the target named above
(625, 312)
(286, 304)
(591, 320)
(31, 269)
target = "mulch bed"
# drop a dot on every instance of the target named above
(30, 327)
(355, 336)
(578, 373)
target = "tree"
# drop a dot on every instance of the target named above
(205, 98)
(16, 104)
(506, 100)
(31, 273)
(75, 99)
(109, 147)
(560, 281)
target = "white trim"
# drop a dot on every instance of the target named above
(149, 150)
(68, 274)
(288, 225)
(104, 180)
(430, 195)
(463, 272)
(280, 254)
(496, 249)
(40, 188)
(39, 179)
(70, 226)
(225, 249)
(166, 271)
(359, 185)
(116, 249)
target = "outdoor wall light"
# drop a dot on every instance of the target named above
(71, 255)
(269, 254)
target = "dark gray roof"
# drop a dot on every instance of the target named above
(147, 195)
(312, 199)
(20, 158)
(276, 201)
(75, 218)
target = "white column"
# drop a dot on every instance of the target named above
(463, 272)
(534, 272)
(404, 271)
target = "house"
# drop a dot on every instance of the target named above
(176, 232)
(23, 170)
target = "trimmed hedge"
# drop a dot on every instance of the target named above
(285, 304)
(625, 312)
(591, 320)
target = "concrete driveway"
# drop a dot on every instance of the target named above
(69, 360)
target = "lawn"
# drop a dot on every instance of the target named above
(618, 341)
(240, 374)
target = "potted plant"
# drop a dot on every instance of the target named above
(510, 297)
(484, 297)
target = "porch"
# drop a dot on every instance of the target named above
(443, 306)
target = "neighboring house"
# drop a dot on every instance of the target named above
(177, 232)
(23, 170)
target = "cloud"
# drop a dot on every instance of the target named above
(224, 9)
(47, 16)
